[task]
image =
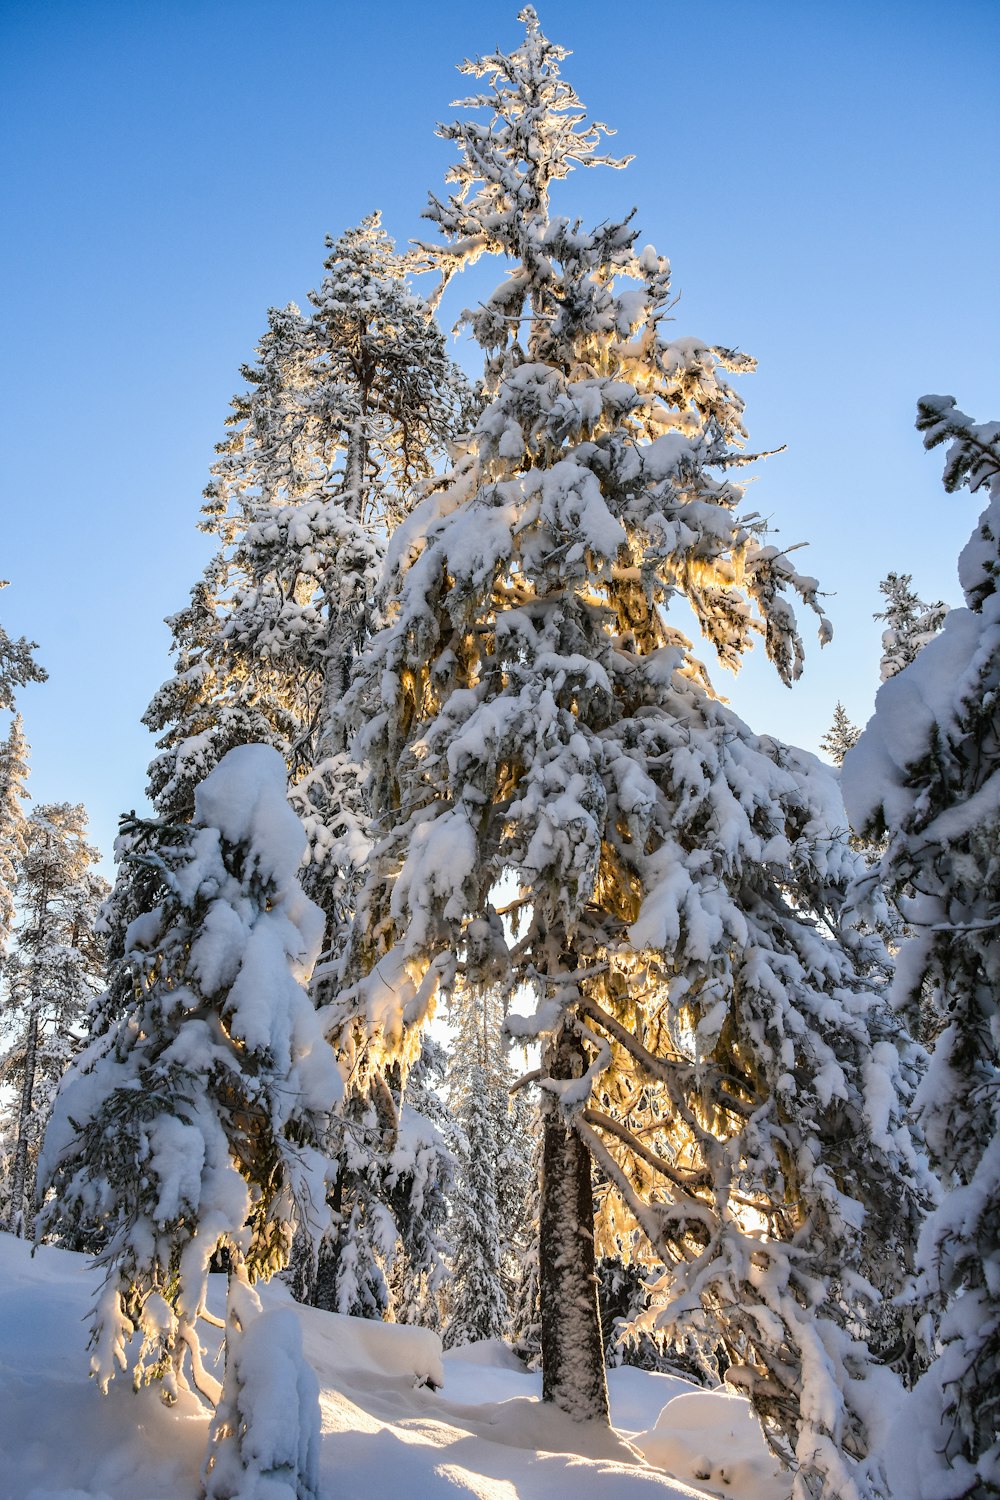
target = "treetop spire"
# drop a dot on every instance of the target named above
(537, 133)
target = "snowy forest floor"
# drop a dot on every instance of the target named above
(385, 1436)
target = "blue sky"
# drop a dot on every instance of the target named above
(821, 177)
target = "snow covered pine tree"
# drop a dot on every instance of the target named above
(925, 776)
(195, 1124)
(49, 981)
(493, 1171)
(349, 406)
(17, 667)
(708, 1036)
(840, 737)
(347, 410)
(910, 623)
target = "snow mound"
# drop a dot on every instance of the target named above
(494, 1354)
(337, 1345)
(713, 1440)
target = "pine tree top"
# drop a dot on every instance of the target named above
(911, 623)
(536, 134)
(840, 737)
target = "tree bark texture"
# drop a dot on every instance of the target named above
(573, 1375)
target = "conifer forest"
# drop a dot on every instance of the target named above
(495, 1067)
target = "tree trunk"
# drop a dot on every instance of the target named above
(572, 1350)
(19, 1176)
(345, 620)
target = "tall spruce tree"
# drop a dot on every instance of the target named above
(348, 407)
(925, 777)
(196, 1124)
(708, 1035)
(910, 623)
(50, 978)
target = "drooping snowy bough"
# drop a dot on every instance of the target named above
(711, 1036)
(925, 777)
(193, 1127)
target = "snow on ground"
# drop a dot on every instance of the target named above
(386, 1433)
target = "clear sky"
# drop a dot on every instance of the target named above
(822, 177)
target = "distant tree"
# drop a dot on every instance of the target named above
(517, 1176)
(347, 1271)
(628, 1321)
(17, 667)
(840, 736)
(394, 1161)
(910, 623)
(493, 1171)
(923, 778)
(526, 1313)
(13, 791)
(709, 1039)
(419, 1180)
(50, 979)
